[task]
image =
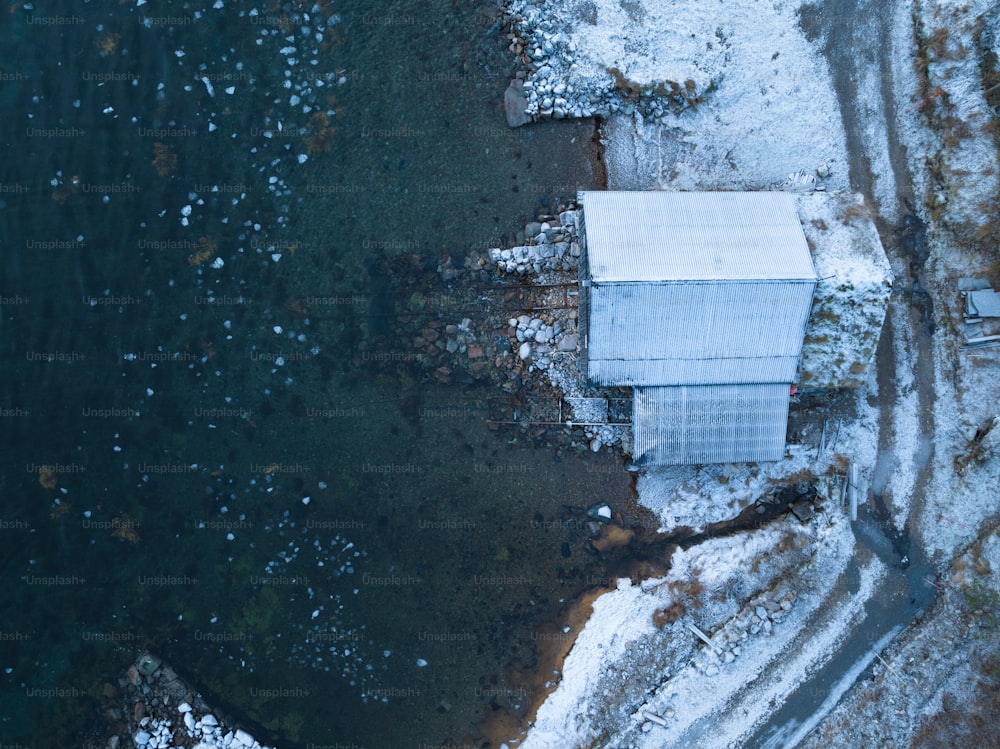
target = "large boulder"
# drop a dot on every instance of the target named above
(515, 103)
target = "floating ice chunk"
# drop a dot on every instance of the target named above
(218, 263)
(303, 158)
(305, 500)
(179, 52)
(139, 3)
(230, 90)
(208, 86)
(150, 391)
(186, 210)
(421, 663)
(230, 537)
(212, 127)
(218, 4)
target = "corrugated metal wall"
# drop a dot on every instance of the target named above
(696, 333)
(709, 424)
(583, 311)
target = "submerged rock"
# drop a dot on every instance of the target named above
(515, 103)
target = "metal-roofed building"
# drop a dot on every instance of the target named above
(699, 301)
(710, 423)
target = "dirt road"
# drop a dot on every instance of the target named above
(856, 39)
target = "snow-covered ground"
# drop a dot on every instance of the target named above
(851, 296)
(934, 682)
(767, 109)
(930, 687)
(637, 656)
(961, 193)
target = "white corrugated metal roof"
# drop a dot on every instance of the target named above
(695, 333)
(709, 424)
(661, 236)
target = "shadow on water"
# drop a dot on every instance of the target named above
(215, 429)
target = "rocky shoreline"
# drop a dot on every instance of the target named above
(151, 707)
(499, 318)
(548, 84)
(551, 342)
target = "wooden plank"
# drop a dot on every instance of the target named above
(852, 490)
(704, 638)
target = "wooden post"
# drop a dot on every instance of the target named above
(704, 638)
(852, 489)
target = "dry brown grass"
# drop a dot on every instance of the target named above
(803, 476)
(974, 724)
(686, 597)
(851, 212)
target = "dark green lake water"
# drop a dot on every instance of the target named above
(156, 405)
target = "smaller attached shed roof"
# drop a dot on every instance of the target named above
(709, 424)
(694, 236)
